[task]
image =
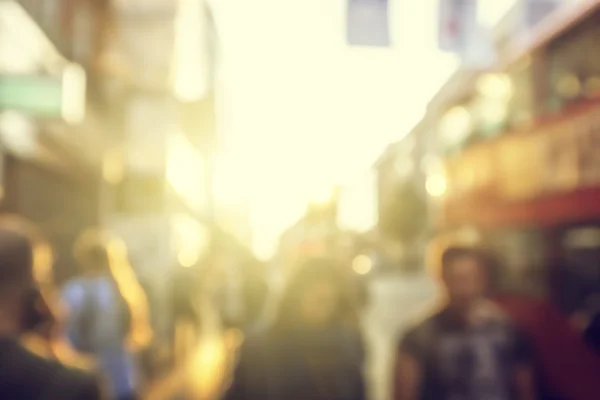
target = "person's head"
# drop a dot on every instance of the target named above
(315, 296)
(464, 275)
(26, 283)
(91, 252)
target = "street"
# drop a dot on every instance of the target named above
(396, 302)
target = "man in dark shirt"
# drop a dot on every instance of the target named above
(469, 350)
(24, 262)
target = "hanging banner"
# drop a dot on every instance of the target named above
(368, 23)
(457, 24)
(535, 11)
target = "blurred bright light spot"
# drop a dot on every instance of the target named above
(456, 125)
(113, 166)
(186, 171)
(191, 66)
(568, 86)
(231, 184)
(73, 93)
(357, 205)
(362, 264)
(322, 194)
(495, 86)
(436, 185)
(209, 364)
(187, 258)
(189, 240)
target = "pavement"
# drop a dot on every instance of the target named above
(396, 301)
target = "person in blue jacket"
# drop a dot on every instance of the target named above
(107, 312)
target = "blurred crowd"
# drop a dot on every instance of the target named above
(93, 337)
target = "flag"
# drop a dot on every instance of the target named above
(368, 23)
(457, 20)
(536, 10)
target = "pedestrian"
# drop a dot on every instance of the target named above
(26, 308)
(468, 349)
(311, 350)
(108, 316)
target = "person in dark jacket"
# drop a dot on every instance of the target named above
(312, 350)
(26, 309)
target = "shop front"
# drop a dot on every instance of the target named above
(42, 101)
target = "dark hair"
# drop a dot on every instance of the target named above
(91, 251)
(16, 257)
(304, 277)
(24, 252)
(454, 253)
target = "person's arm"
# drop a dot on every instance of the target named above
(408, 368)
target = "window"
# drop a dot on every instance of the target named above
(456, 127)
(520, 104)
(580, 278)
(574, 65)
(522, 257)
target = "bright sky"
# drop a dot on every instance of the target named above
(300, 110)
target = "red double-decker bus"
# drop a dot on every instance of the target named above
(521, 151)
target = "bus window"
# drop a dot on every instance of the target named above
(520, 106)
(574, 65)
(581, 268)
(522, 262)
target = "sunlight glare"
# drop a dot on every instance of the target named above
(306, 110)
(362, 264)
(436, 185)
(185, 171)
(321, 195)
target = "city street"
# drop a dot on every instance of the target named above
(396, 302)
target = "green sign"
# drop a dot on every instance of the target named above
(39, 96)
